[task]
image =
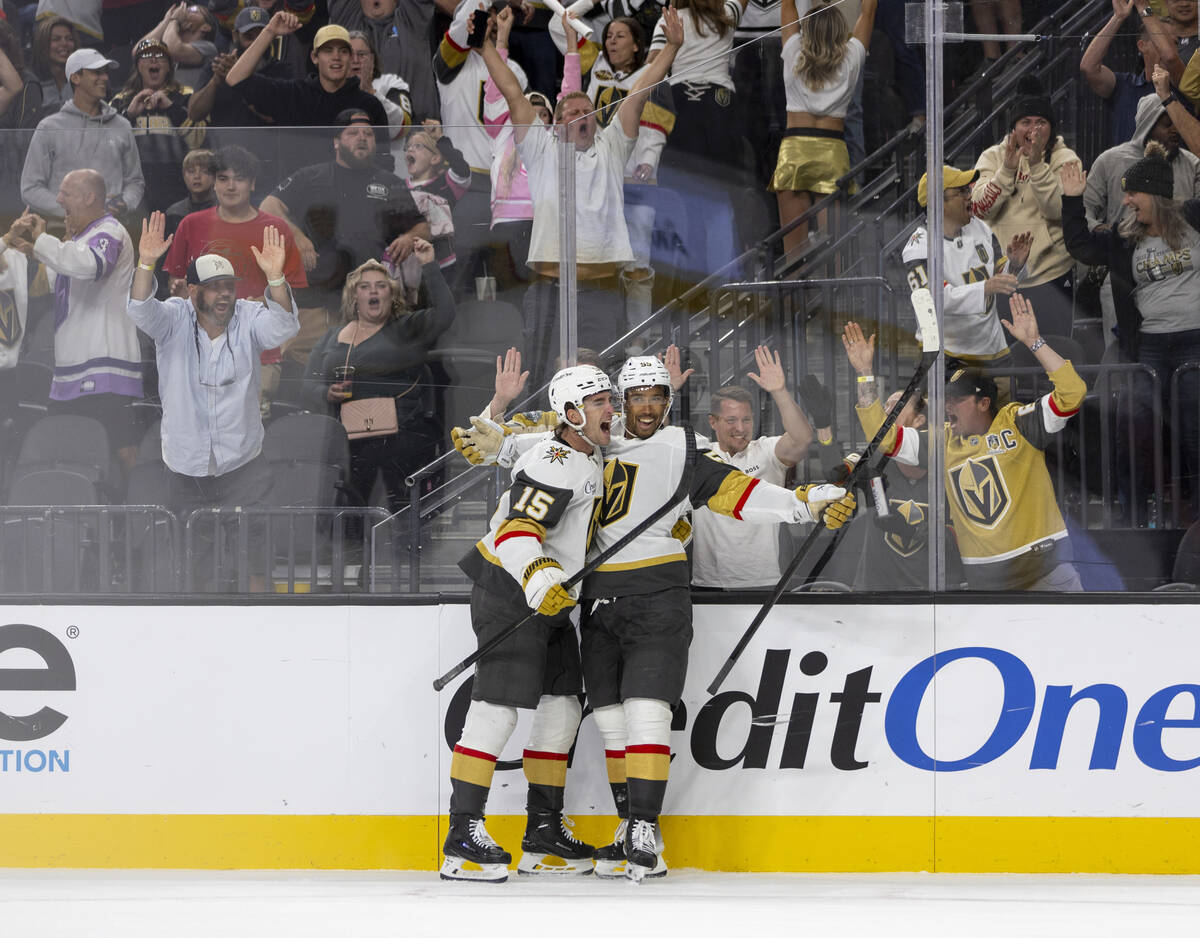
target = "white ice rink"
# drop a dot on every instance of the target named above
(63, 904)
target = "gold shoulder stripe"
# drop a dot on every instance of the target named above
(730, 495)
(519, 526)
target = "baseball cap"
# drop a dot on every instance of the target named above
(150, 45)
(951, 179)
(209, 267)
(251, 18)
(330, 33)
(970, 382)
(87, 58)
(352, 115)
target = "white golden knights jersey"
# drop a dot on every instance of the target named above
(970, 326)
(608, 88)
(547, 511)
(642, 475)
(1006, 519)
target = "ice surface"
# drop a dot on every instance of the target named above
(158, 904)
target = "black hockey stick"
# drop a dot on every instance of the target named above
(681, 492)
(922, 301)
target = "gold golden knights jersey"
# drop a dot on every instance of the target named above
(548, 510)
(1006, 519)
(642, 475)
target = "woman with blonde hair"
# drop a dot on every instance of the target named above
(822, 59)
(378, 351)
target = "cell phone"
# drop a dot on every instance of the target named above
(479, 28)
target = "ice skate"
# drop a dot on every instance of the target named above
(610, 859)
(470, 853)
(548, 847)
(643, 851)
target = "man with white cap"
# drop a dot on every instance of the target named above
(84, 134)
(207, 347)
(974, 271)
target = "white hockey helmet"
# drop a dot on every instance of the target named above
(570, 386)
(645, 371)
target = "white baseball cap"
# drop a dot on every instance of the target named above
(86, 58)
(209, 267)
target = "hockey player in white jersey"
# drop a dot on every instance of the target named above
(537, 538)
(974, 269)
(637, 625)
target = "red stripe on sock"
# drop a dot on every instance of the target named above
(614, 753)
(534, 754)
(650, 748)
(474, 753)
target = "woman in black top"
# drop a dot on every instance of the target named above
(386, 344)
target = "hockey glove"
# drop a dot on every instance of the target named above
(839, 512)
(544, 592)
(483, 444)
(682, 531)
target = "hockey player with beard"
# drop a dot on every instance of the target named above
(974, 270)
(637, 622)
(538, 538)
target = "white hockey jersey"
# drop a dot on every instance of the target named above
(547, 511)
(971, 328)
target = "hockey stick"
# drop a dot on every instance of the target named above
(922, 301)
(681, 492)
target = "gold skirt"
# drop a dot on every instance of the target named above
(811, 161)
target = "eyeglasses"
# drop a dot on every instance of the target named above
(418, 146)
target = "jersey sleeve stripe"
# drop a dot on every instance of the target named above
(737, 509)
(899, 442)
(519, 527)
(1057, 412)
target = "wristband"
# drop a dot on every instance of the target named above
(277, 283)
(866, 379)
(1037, 344)
(149, 267)
(1169, 98)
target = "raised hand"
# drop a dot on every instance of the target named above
(1073, 178)
(273, 254)
(1122, 8)
(859, 350)
(1012, 151)
(1162, 81)
(423, 250)
(1018, 249)
(152, 244)
(569, 31)
(672, 27)
(283, 24)
(1024, 326)
(817, 401)
(770, 370)
(671, 360)
(510, 379)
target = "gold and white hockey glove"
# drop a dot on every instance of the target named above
(835, 501)
(544, 592)
(484, 444)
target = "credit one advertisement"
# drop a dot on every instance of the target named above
(988, 710)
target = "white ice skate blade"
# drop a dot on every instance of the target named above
(547, 864)
(636, 874)
(460, 870)
(610, 869)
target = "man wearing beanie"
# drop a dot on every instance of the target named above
(975, 271)
(1104, 197)
(1018, 190)
(1153, 258)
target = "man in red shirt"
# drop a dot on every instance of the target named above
(230, 229)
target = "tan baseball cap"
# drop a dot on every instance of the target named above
(331, 33)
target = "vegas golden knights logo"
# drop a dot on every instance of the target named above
(619, 479)
(913, 540)
(979, 487)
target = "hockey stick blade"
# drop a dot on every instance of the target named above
(922, 301)
(681, 492)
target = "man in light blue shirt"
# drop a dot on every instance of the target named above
(207, 348)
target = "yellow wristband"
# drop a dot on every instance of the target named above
(149, 267)
(277, 283)
(866, 379)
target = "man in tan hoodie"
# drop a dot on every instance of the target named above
(1018, 190)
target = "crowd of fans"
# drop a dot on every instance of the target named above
(400, 155)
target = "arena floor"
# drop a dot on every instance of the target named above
(58, 904)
